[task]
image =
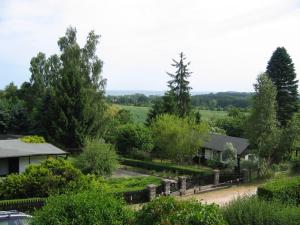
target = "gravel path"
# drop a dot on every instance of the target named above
(221, 197)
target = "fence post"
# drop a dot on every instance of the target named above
(245, 176)
(151, 191)
(216, 177)
(167, 186)
(182, 185)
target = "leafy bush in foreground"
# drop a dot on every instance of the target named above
(166, 210)
(87, 208)
(253, 211)
(52, 176)
(286, 190)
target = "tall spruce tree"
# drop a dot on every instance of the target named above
(179, 86)
(74, 106)
(282, 73)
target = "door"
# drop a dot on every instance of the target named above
(13, 165)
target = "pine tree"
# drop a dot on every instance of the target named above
(179, 86)
(282, 73)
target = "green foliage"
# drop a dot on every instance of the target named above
(262, 127)
(251, 210)
(89, 208)
(33, 139)
(133, 136)
(295, 167)
(181, 170)
(282, 73)
(73, 105)
(167, 210)
(140, 155)
(176, 138)
(52, 176)
(286, 190)
(115, 185)
(98, 158)
(234, 124)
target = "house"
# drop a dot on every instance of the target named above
(215, 146)
(16, 155)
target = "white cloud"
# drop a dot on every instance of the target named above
(228, 42)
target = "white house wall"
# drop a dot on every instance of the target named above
(25, 161)
(3, 167)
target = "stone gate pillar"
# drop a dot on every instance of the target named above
(151, 191)
(216, 177)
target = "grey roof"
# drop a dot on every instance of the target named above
(16, 148)
(217, 142)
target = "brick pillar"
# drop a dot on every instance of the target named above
(151, 191)
(216, 177)
(167, 186)
(182, 185)
(245, 176)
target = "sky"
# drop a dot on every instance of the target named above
(227, 42)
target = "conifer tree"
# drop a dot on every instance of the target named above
(282, 73)
(179, 86)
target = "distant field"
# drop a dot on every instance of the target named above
(140, 113)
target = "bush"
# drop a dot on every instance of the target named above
(140, 155)
(133, 136)
(251, 210)
(295, 164)
(166, 210)
(33, 139)
(98, 158)
(88, 208)
(286, 190)
(52, 176)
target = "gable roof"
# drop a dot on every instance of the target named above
(16, 148)
(218, 141)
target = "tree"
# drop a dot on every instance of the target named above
(98, 158)
(282, 73)
(177, 139)
(133, 136)
(179, 86)
(230, 155)
(74, 106)
(262, 126)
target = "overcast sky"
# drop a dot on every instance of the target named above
(228, 42)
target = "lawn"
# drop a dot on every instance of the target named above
(139, 113)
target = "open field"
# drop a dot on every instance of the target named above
(139, 113)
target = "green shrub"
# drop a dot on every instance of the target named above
(140, 155)
(87, 208)
(295, 164)
(286, 190)
(131, 184)
(181, 170)
(98, 158)
(253, 211)
(33, 139)
(52, 176)
(167, 210)
(133, 136)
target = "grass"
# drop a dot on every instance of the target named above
(139, 113)
(131, 184)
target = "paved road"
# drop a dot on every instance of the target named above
(221, 197)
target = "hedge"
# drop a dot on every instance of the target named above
(286, 190)
(160, 167)
(23, 205)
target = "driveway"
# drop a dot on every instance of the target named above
(223, 196)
